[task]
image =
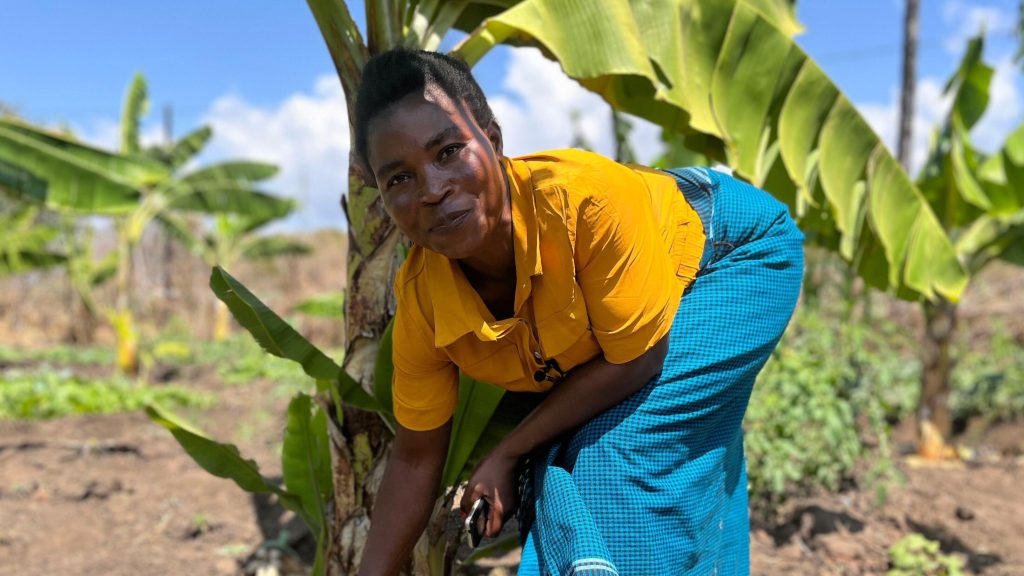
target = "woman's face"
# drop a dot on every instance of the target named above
(439, 174)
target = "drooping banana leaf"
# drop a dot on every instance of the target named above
(25, 244)
(306, 460)
(729, 69)
(189, 145)
(63, 173)
(226, 198)
(279, 339)
(233, 173)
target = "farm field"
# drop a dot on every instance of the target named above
(115, 494)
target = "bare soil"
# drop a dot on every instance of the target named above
(115, 494)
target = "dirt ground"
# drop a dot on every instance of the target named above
(115, 494)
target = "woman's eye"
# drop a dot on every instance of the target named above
(397, 179)
(449, 150)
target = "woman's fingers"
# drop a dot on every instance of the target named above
(497, 517)
(473, 493)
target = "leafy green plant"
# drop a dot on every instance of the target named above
(819, 409)
(232, 237)
(474, 432)
(989, 382)
(979, 202)
(62, 355)
(41, 395)
(305, 463)
(916, 555)
(133, 186)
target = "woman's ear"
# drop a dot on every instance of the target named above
(493, 132)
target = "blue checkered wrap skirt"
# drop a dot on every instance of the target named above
(657, 484)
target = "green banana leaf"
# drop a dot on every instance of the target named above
(729, 69)
(278, 338)
(220, 459)
(950, 178)
(473, 432)
(136, 103)
(1002, 176)
(24, 243)
(478, 402)
(229, 198)
(233, 173)
(73, 175)
(189, 145)
(384, 372)
(306, 460)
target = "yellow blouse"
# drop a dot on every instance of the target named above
(603, 253)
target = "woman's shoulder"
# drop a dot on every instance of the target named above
(576, 176)
(566, 167)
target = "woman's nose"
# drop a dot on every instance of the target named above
(435, 190)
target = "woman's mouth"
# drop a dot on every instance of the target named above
(450, 222)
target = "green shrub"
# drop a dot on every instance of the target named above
(915, 555)
(62, 355)
(239, 360)
(41, 395)
(989, 382)
(820, 407)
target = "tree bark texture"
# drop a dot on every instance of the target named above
(360, 440)
(908, 90)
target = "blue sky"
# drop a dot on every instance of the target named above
(258, 71)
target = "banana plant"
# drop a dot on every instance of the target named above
(979, 201)
(132, 186)
(356, 475)
(26, 244)
(85, 274)
(725, 75)
(228, 239)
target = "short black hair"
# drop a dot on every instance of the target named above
(390, 76)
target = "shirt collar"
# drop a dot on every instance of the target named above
(458, 309)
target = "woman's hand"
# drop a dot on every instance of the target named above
(493, 481)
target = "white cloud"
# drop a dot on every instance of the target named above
(537, 100)
(306, 135)
(970, 19)
(930, 108)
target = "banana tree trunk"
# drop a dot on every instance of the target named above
(121, 318)
(360, 441)
(933, 416)
(221, 322)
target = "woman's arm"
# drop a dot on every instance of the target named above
(587, 391)
(406, 498)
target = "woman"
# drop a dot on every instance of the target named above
(564, 273)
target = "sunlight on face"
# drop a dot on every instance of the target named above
(439, 173)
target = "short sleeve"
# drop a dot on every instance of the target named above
(624, 270)
(424, 389)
